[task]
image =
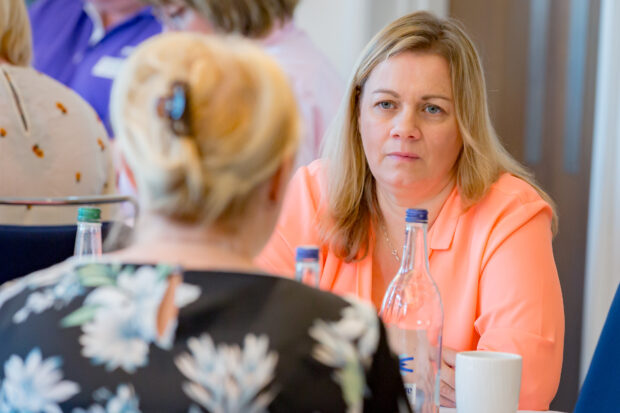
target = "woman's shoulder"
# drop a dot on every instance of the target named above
(308, 186)
(509, 201)
(52, 101)
(40, 278)
(292, 297)
(314, 173)
(510, 186)
(264, 300)
(314, 335)
(509, 193)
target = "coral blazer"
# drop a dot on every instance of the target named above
(493, 264)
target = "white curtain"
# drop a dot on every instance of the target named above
(603, 251)
(341, 28)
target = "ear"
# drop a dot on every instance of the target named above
(279, 181)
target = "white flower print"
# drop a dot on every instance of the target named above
(348, 345)
(124, 318)
(62, 283)
(186, 294)
(226, 378)
(139, 293)
(36, 302)
(124, 401)
(34, 385)
(68, 287)
(113, 338)
(10, 289)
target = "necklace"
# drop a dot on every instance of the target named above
(389, 243)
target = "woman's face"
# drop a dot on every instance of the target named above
(176, 16)
(408, 125)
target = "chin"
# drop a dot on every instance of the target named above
(400, 182)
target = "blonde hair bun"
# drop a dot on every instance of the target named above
(243, 124)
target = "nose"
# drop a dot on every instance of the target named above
(405, 125)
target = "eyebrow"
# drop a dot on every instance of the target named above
(428, 97)
(388, 91)
(425, 97)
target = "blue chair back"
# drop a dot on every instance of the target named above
(601, 388)
(25, 249)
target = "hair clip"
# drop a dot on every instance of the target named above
(175, 108)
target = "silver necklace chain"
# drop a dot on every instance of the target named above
(389, 243)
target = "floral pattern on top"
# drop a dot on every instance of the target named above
(83, 337)
(348, 346)
(124, 401)
(34, 384)
(226, 378)
(59, 292)
(119, 316)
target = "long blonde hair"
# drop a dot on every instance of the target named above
(352, 198)
(243, 124)
(15, 34)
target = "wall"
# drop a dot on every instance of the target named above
(603, 257)
(540, 60)
(341, 28)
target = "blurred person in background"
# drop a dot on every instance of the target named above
(182, 320)
(52, 143)
(316, 83)
(82, 43)
(414, 131)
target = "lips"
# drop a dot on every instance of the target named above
(404, 155)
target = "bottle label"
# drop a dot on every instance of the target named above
(406, 363)
(410, 389)
(418, 365)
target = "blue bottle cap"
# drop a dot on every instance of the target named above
(307, 252)
(417, 215)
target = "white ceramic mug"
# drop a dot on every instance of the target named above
(487, 382)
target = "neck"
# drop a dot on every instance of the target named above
(191, 246)
(393, 204)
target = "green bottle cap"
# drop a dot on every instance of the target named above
(86, 214)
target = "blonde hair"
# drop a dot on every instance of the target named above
(15, 35)
(243, 125)
(250, 18)
(352, 198)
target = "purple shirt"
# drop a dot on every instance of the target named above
(71, 46)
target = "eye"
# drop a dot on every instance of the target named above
(177, 13)
(171, 15)
(432, 109)
(385, 104)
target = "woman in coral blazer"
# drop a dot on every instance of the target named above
(414, 132)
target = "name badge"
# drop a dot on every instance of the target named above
(107, 67)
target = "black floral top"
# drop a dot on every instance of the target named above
(83, 337)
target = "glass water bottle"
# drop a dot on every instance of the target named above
(307, 265)
(88, 236)
(413, 316)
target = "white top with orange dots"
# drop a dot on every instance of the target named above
(52, 144)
